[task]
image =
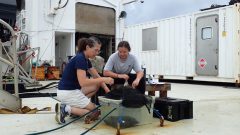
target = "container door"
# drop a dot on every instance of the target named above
(207, 46)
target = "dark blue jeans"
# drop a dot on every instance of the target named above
(141, 86)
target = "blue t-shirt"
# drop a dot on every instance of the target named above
(69, 79)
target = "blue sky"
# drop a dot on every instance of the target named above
(157, 9)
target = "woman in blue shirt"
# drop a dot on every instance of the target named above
(75, 88)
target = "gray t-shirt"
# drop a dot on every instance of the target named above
(116, 65)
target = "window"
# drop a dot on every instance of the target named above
(206, 33)
(149, 39)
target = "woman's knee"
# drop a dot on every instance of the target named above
(90, 106)
(90, 89)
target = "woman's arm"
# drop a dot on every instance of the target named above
(95, 74)
(115, 75)
(110, 74)
(139, 75)
(84, 81)
(138, 78)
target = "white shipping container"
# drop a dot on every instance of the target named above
(55, 28)
(201, 46)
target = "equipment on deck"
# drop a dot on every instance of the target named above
(14, 74)
(132, 108)
(7, 100)
(174, 109)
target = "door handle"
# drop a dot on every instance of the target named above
(216, 67)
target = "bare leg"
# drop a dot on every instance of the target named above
(78, 111)
(90, 90)
(90, 106)
(82, 111)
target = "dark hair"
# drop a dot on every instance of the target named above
(83, 43)
(124, 44)
(95, 40)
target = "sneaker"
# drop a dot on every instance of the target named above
(92, 117)
(60, 113)
(72, 116)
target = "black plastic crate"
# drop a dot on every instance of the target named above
(174, 109)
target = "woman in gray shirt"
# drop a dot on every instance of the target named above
(121, 63)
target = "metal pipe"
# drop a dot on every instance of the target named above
(6, 61)
(14, 56)
(26, 79)
(16, 71)
(7, 53)
(1, 87)
(23, 72)
(8, 26)
(21, 68)
(32, 49)
(37, 63)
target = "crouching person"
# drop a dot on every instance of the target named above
(75, 88)
(121, 63)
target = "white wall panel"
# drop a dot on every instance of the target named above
(173, 46)
(41, 23)
(176, 43)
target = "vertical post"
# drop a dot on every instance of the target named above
(1, 87)
(15, 62)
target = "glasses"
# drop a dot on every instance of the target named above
(97, 51)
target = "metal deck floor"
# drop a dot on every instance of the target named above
(215, 111)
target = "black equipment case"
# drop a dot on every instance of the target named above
(174, 109)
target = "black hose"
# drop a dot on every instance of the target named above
(41, 88)
(98, 122)
(47, 131)
(157, 113)
(63, 5)
(51, 96)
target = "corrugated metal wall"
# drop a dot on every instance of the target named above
(173, 56)
(176, 44)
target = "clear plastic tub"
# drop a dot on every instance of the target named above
(128, 117)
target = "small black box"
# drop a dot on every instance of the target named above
(9, 87)
(174, 109)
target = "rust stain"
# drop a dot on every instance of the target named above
(101, 126)
(164, 126)
(127, 133)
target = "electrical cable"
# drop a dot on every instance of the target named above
(51, 96)
(52, 34)
(59, 2)
(42, 88)
(47, 131)
(160, 116)
(33, 91)
(98, 122)
(157, 113)
(52, 27)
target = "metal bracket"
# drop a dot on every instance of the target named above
(9, 101)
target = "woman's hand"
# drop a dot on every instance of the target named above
(108, 80)
(106, 89)
(135, 83)
(123, 76)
